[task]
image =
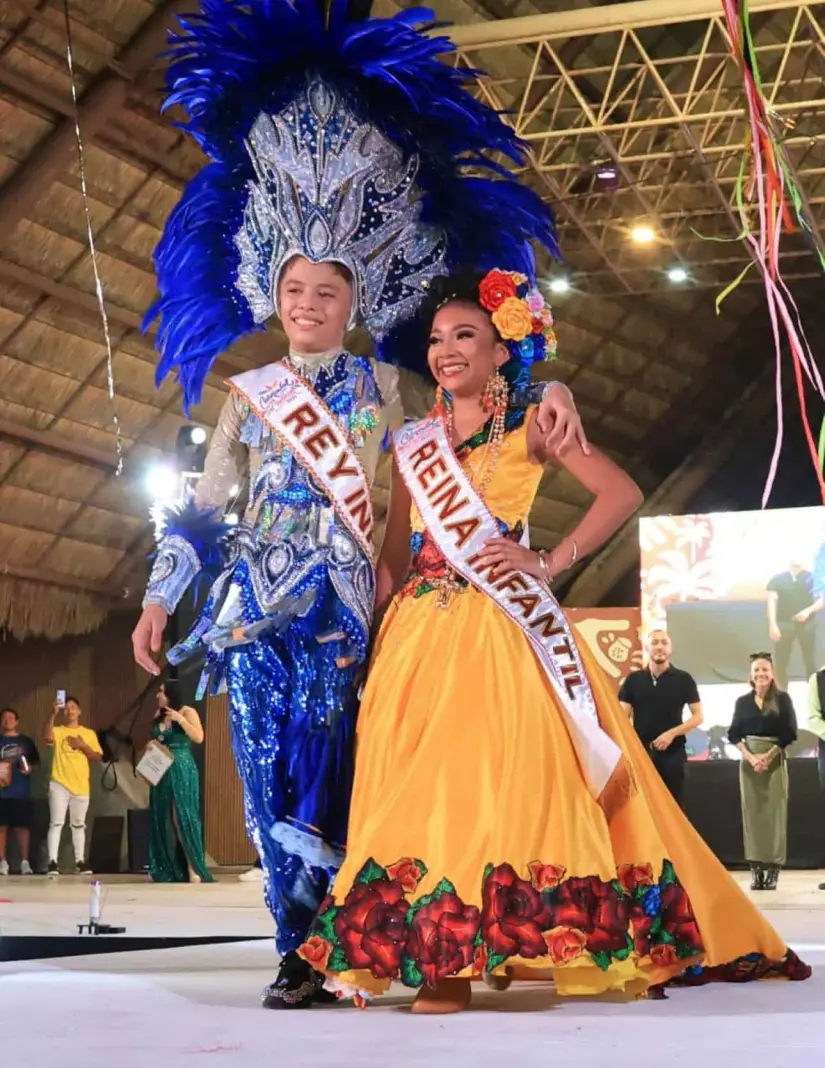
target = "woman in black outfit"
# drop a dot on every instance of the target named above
(764, 725)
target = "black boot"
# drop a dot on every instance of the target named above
(757, 877)
(297, 986)
(771, 877)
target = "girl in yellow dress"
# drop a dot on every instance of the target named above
(496, 830)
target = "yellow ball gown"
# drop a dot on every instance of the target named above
(474, 843)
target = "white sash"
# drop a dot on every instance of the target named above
(460, 524)
(301, 421)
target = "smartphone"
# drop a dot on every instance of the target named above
(61, 699)
(24, 764)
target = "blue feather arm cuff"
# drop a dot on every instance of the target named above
(192, 541)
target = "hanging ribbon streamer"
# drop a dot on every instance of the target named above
(81, 159)
(771, 184)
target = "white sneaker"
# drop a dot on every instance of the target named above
(25, 868)
(4, 867)
(254, 875)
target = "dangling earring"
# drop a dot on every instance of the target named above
(496, 393)
(442, 405)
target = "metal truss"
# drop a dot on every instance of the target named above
(650, 90)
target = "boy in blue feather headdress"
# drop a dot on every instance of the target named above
(349, 167)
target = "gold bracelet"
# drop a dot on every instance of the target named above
(545, 569)
(575, 555)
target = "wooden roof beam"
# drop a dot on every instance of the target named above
(55, 443)
(104, 98)
(253, 350)
(53, 104)
(589, 21)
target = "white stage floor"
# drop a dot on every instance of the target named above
(185, 1007)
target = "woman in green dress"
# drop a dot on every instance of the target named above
(176, 834)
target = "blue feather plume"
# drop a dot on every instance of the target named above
(204, 529)
(235, 58)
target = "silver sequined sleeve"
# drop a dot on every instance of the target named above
(416, 395)
(389, 383)
(176, 562)
(227, 461)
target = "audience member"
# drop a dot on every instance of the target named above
(655, 697)
(18, 755)
(75, 748)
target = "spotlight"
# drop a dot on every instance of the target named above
(559, 285)
(234, 490)
(606, 172)
(677, 275)
(231, 519)
(163, 482)
(643, 234)
(190, 449)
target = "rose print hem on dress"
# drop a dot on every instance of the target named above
(547, 920)
(641, 927)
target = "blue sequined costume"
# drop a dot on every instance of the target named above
(285, 629)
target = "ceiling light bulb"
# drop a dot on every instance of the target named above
(197, 435)
(677, 274)
(559, 285)
(643, 234)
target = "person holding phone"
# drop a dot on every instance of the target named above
(18, 755)
(75, 749)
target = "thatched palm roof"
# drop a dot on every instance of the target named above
(653, 368)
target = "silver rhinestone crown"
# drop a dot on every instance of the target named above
(334, 189)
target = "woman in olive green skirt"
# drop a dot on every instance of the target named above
(764, 725)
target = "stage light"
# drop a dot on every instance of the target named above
(559, 285)
(163, 482)
(231, 519)
(643, 234)
(606, 172)
(677, 275)
(234, 490)
(191, 435)
(190, 449)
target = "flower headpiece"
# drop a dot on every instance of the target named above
(521, 315)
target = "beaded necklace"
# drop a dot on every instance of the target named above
(495, 399)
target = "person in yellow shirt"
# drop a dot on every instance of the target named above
(75, 749)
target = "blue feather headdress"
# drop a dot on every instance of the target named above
(340, 141)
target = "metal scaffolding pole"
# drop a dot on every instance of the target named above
(593, 20)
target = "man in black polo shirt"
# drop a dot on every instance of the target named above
(656, 697)
(792, 608)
